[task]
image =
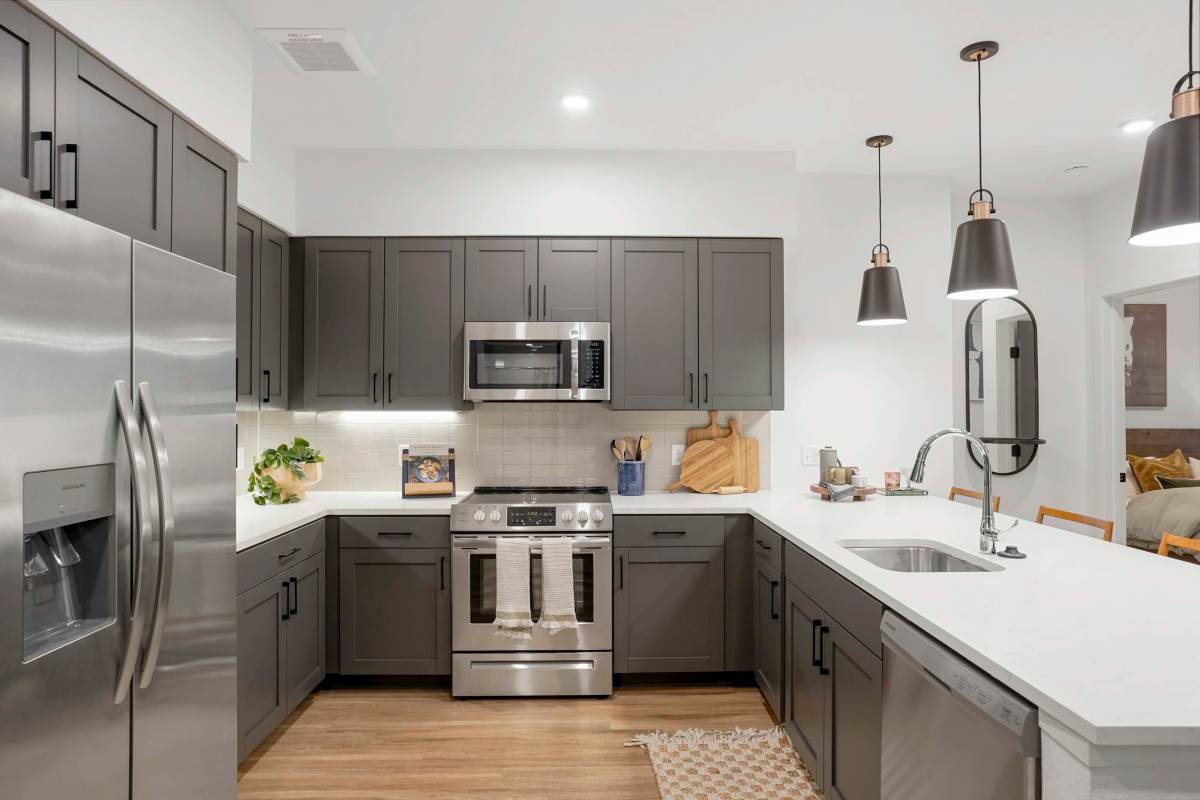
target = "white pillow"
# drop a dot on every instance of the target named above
(1131, 485)
(1195, 462)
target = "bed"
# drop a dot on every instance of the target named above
(1177, 511)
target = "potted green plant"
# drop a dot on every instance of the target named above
(284, 474)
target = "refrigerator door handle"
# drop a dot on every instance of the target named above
(141, 532)
(166, 530)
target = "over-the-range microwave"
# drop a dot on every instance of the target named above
(528, 361)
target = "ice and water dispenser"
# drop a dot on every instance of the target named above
(70, 547)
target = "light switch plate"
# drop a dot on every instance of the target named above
(677, 454)
(810, 455)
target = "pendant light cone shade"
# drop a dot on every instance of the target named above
(982, 266)
(881, 301)
(1168, 200)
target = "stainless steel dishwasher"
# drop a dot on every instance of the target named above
(950, 732)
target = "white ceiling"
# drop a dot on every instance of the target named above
(812, 77)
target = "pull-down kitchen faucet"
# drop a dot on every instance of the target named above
(988, 532)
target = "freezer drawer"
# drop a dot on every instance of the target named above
(532, 674)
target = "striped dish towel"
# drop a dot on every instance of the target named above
(513, 618)
(558, 586)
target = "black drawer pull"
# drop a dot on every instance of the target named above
(289, 553)
(295, 596)
(543, 301)
(762, 544)
(774, 611)
(374, 387)
(266, 395)
(823, 670)
(621, 568)
(670, 533)
(816, 649)
(394, 533)
(529, 301)
(287, 600)
(73, 151)
(691, 387)
(46, 193)
(442, 573)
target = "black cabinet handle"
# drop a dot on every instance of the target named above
(621, 571)
(266, 395)
(823, 670)
(670, 533)
(287, 600)
(289, 553)
(691, 387)
(543, 301)
(529, 301)
(295, 596)
(774, 610)
(374, 387)
(442, 573)
(389, 387)
(706, 388)
(47, 192)
(394, 533)
(73, 151)
(816, 627)
(762, 544)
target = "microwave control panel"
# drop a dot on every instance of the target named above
(591, 364)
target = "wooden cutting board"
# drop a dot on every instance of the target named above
(745, 457)
(713, 431)
(706, 467)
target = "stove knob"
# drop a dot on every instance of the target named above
(597, 515)
(583, 516)
(566, 515)
(480, 516)
(495, 516)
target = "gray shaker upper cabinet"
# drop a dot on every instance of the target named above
(501, 279)
(423, 328)
(343, 323)
(272, 286)
(26, 103)
(741, 324)
(203, 198)
(573, 278)
(248, 242)
(113, 148)
(654, 324)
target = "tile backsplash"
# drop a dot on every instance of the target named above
(509, 443)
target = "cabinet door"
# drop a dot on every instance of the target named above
(26, 103)
(805, 694)
(741, 323)
(203, 198)
(113, 150)
(248, 238)
(395, 612)
(768, 632)
(271, 288)
(854, 728)
(573, 278)
(669, 610)
(262, 614)
(304, 633)
(501, 280)
(343, 324)
(423, 339)
(654, 324)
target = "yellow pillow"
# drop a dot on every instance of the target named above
(1145, 469)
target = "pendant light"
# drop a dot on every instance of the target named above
(982, 266)
(1168, 200)
(881, 301)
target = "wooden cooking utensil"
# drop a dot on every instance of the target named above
(631, 449)
(616, 451)
(713, 431)
(643, 447)
(706, 467)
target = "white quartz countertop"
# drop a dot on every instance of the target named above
(1102, 638)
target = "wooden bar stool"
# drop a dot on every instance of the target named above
(1071, 516)
(1182, 542)
(958, 491)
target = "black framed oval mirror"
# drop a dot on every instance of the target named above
(1001, 352)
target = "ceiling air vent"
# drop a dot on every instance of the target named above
(319, 49)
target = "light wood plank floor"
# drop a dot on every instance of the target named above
(369, 743)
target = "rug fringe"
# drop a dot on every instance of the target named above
(771, 736)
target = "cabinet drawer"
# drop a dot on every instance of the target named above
(272, 557)
(395, 531)
(768, 545)
(669, 530)
(855, 610)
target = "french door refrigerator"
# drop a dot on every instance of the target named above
(117, 565)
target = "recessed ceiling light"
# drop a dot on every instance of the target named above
(1139, 125)
(575, 102)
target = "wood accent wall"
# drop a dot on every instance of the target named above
(1159, 442)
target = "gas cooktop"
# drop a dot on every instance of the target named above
(533, 509)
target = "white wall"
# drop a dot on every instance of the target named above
(1047, 241)
(874, 393)
(267, 183)
(191, 53)
(1183, 360)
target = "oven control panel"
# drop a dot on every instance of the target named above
(591, 365)
(502, 518)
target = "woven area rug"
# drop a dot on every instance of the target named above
(743, 764)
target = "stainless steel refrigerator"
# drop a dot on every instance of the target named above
(117, 564)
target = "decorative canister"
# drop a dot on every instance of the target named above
(631, 478)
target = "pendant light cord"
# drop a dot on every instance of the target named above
(979, 110)
(1191, 43)
(879, 187)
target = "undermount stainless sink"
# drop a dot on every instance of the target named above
(916, 555)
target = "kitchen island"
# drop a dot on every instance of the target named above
(1082, 628)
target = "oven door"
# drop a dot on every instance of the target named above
(473, 583)
(527, 361)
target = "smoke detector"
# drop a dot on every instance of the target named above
(319, 49)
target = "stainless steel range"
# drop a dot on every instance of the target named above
(572, 662)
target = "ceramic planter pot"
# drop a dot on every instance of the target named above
(289, 484)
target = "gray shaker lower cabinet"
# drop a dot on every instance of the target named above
(669, 609)
(806, 694)
(768, 632)
(262, 699)
(395, 611)
(304, 633)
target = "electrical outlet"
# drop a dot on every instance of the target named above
(677, 454)
(810, 455)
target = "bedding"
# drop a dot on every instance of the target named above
(1145, 469)
(1150, 514)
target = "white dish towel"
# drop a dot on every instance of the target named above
(513, 617)
(558, 586)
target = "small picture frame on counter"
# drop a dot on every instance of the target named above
(428, 471)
